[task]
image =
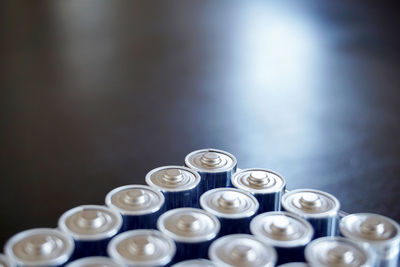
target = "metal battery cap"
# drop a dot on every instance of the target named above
(229, 203)
(94, 262)
(39, 247)
(135, 200)
(189, 225)
(210, 160)
(241, 250)
(90, 222)
(5, 261)
(369, 227)
(142, 247)
(195, 263)
(310, 203)
(258, 181)
(337, 251)
(282, 229)
(173, 178)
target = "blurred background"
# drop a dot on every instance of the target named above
(94, 94)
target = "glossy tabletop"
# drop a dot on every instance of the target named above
(94, 94)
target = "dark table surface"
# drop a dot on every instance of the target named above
(94, 94)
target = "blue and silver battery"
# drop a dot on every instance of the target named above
(242, 250)
(337, 251)
(193, 230)
(91, 227)
(234, 208)
(94, 262)
(142, 248)
(180, 185)
(267, 187)
(317, 207)
(5, 261)
(215, 167)
(39, 247)
(139, 205)
(195, 263)
(286, 232)
(379, 233)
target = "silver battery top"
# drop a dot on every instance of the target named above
(173, 178)
(5, 261)
(195, 263)
(189, 225)
(39, 247)
(229, 203)
(258, 181)
(310, 203)
(337, 251)
(90, 222)
(294, 264)
(135, 199)
(282, 229)
(380, 232)
(243, 251)
(210, 160)
(142, 248)
(94, 262)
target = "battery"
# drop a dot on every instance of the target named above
(233, 207)
(39, 247)
(294, 264)
(286, 232)
(337, 251)
(91, 227)
(193, 230)
(242, 250)
(317, 207)
(139, 205)
(180, 185)
(215, 167)
(93, 262)
(195, 263)
(142, 248)
(377, 232)
(267, 187)
(5, 261)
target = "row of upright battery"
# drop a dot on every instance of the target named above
(209, 213)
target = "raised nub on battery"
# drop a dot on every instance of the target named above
(258, 178)
(172, 176)
(340, 256)
(211, 159)
(229, 200)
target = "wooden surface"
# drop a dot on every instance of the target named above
(94, 94)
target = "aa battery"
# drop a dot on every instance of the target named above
(180, 185)
(233, 207)
(142, 248)
(5, 261)
(94, 262)
(139, 205)
(193, 230)
(286, 232)
(317, 207)
(377, 232)
(195, 263)
(242, 250)
(91, 227)
(39, 247)
(337, 251)
(265, 185)
(215, 167)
